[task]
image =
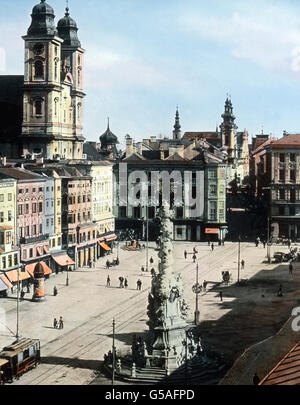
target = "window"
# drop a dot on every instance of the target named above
(292, 175)
(16, 258)
(27, 208)
(282, 175)
(292, 211)
(1, 197)
(9, 215)
(281, 157)
(41, 189)
(179, 212)
(47, 223)
(1, 216)
(10, 197)
(213, 210)
(4, 262)
(8, 237)
(27, 190)
(40, 207)
(47, 188)
(34, 208)
(9, 261)
(38, 69)
(2, 238)
(33, 190)
(20, 210)
(281, 194)
(59, 241)
(27, 231)
(52, 221)
(41, 228)
(292, 157)
(55, 71)
(281, 210)
(38, 107)
(136, 212)
(24, 254)
(122, 211)
(292, 195)
(213, 189)
(30, 252)
(179, 231)
(79, 199)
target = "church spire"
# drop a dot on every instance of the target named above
(177, 126)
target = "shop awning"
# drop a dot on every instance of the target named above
(104, 246)
(40, 251)
(63, 260)
(5, 281)
(30, 269)
(110, 238)
(3, 286)
(212, 231)
(13, 275)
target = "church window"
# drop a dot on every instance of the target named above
(38, 107)
(39, 69)
(78, 77)
(78, 112)
(55, 71)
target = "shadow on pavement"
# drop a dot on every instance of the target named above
(73, 363)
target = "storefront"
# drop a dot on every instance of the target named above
(62, 262)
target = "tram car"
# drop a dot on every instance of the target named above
(18, 358)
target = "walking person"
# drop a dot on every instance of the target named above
(55, 292)
(194, 258)
(121, 279)
(126, 283)
(61, 322)
(22, 294)
(221, 295)
(212, 247)
(264, 243)
(139, 284)
(243, 264)
(185, 254)
(279, 292)
(204, 285)
(108, 281)
(291, 269)
(107, 264)
(55, 323)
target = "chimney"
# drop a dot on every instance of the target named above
(129, 145)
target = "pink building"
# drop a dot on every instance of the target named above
(33, 242)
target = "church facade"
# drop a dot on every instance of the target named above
(52, 90)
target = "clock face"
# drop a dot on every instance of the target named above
(38, 49)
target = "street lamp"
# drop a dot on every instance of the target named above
(197, 289)
(67, 281)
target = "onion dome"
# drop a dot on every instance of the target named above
(42, 20)
(108, 138)
(38, 271)
(67, 30)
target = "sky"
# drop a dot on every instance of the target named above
(144, 58)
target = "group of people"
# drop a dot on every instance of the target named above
(124, 282)
(58, 324)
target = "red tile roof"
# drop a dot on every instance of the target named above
(287, 371)
(287, 141)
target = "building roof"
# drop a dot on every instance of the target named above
(19, 174)
(67, 30)
(287, 141)
(287, 371)
(42, 20)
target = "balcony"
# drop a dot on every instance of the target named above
(27, 241)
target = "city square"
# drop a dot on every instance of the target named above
(149, 231)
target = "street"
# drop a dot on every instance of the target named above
(71, 356)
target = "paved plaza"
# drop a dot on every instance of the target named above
(247, 314)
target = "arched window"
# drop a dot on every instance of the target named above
(55, 71)
(38, 107)
(38, 69)
(78, 111)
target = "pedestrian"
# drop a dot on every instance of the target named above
(204, 285)
(22, 294)
(151, 260)
(264, 243)
(221, 295)
(107, 264)
(289, 243)
(61, 322)
(208, 242)
(256, 379)
(108, 281)
(55, 323)
(152, 272)
(291, 269)
(143, 269)
(212, 247)
(121, 279)
(195, 250)
(243, 264)
(279, 292)
(194, 257)
(185, 254)
(126, 283)
(55, 292)
(139, 284)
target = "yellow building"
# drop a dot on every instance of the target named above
(9, 253)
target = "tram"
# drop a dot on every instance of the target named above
(18, 358)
